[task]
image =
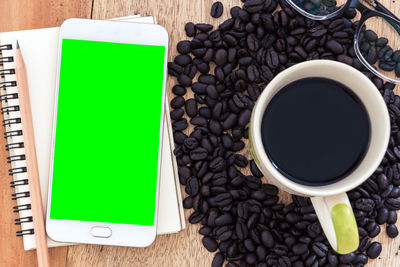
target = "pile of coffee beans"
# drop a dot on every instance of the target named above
(226, 68)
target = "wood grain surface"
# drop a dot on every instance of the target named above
(182, 249)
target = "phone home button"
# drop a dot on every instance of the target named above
(99, 231)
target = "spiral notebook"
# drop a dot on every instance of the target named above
(39, 48)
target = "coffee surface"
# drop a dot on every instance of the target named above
(315, 131)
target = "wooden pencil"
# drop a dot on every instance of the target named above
(31, 161)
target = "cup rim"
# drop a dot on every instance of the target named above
(265, 162)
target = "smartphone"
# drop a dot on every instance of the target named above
(107, 133)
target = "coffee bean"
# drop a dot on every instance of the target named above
(347, 258)
(196, 217)
(272, 59)
(382, 181)
(180, 125)
(370, 36)
(205, 112)
(176, 114)
(314, 230)
(320, 249)
(184, 80)
(242, 101)
(360, 259)
(177, 102)
(334, 47)
(174, 69)
(241, 231)
(298, 31)
(179, 137)
(215, 127)
(210, 244)
(216, 9)
(364, 244)
(179, 90)
(307, 210)
(198, 121)
(183, 47)
(381, 42)
(383, 51)
(192, 186)
(375, 231)
(199, 88)
(382, 216)
(299, 50)
(299, 249)
(183, 60)
(254, 169)
(224, 219)
(396, 56)
(387, 55)
(393, 203)
(345, 59)
(204, 27)
(374, 250)
(370, 226)
(365, 46)
(252, 42)
(333, 259)
(392, 230)
(199, 52)
(397, 68)
(364, 204)
(190, 29)
(252, 73)
(226, 25)
(198, 154)
(191, 107)
(267, 239)
(310, 259)
(298, 264)
(318, 31)
(218, 260)
(188, 203)
(191, 143)
(212, 91)
(389, 190)
(223, 199)
(280, 250)
(241, 161)
(244, 117)
(221, 57)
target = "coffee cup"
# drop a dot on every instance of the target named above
(330, 201)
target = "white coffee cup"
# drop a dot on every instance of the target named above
(330, 201)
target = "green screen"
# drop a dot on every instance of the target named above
(107, 133)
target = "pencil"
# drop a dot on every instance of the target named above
(31, 161)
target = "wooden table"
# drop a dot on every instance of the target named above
(182, 249)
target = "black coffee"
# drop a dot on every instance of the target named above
(315, 131)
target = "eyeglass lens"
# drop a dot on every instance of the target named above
(318, 9)
(378, 44)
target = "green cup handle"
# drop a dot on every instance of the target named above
(338, 222)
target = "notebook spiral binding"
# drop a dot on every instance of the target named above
(9, 134)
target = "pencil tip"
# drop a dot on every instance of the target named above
(17, 45)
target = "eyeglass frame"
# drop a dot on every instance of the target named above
(366, 13)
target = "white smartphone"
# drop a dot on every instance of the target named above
(107, 133)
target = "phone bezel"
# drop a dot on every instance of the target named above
(117, 32)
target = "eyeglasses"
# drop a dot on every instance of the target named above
(376, 39)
